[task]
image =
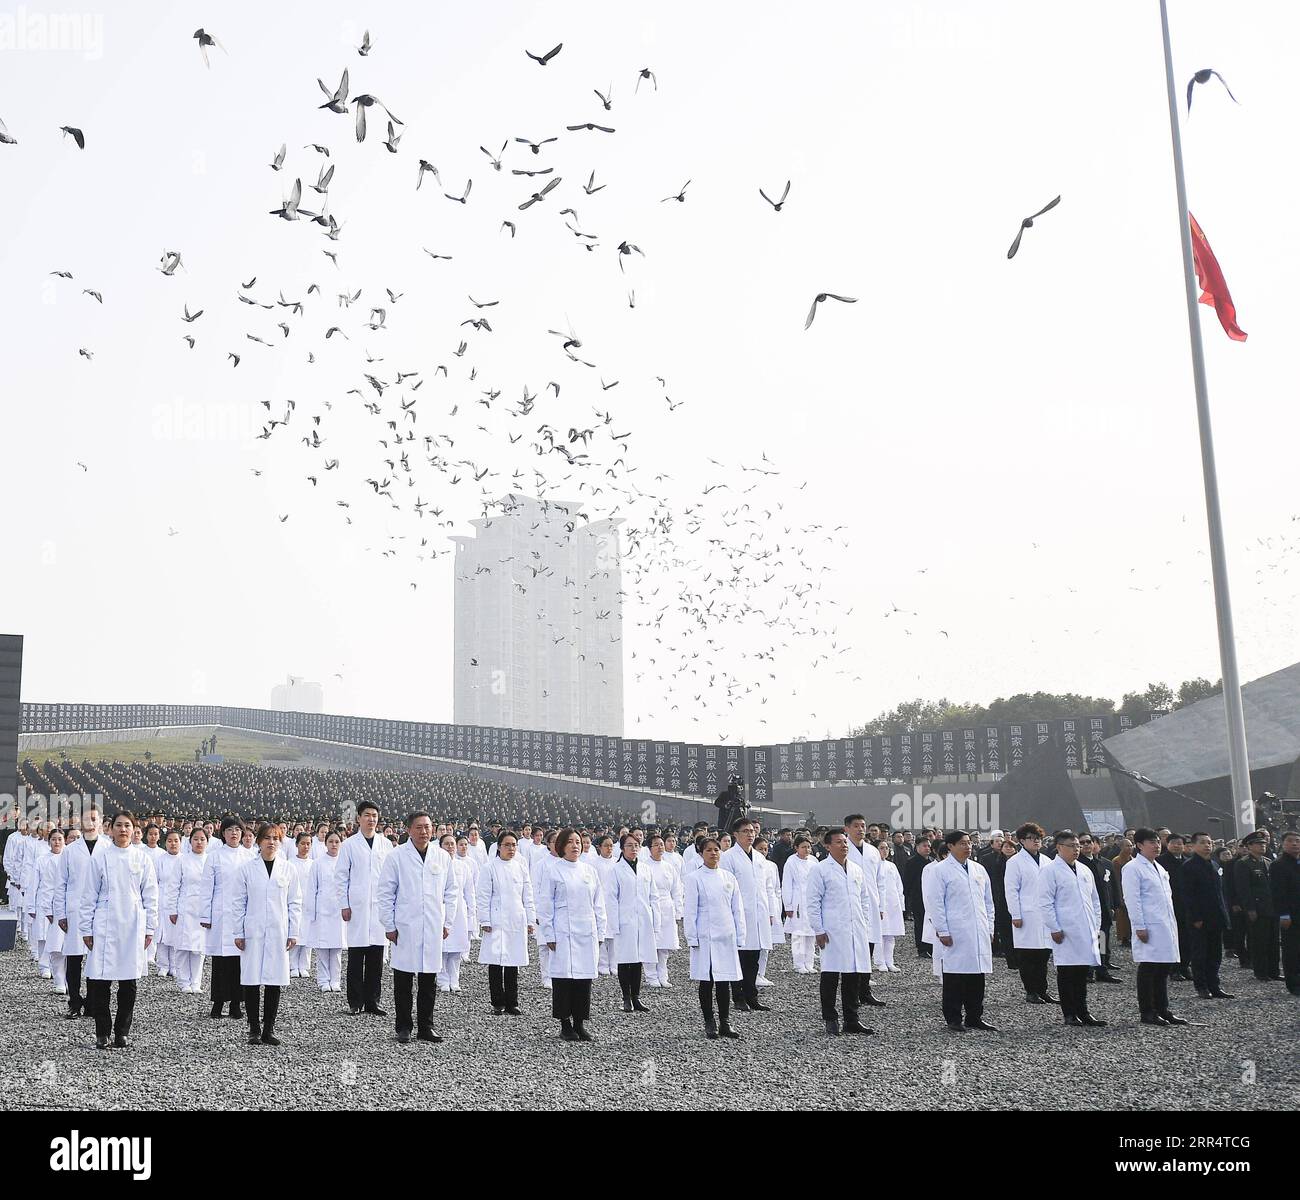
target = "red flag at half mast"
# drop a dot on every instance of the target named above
(1214, 288)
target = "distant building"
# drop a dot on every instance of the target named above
(539, 620)
(295, 694)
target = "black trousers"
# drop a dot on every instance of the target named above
(849, 984)
(864, 977)
(1184, 941)
(747, 988)
(570, 999)
(1153, 987)
(226, 987)
(257, 1021)
(708, 989)
(73, 963)
(1033, 970)
(99, 1001)
(963, 992)
(503, 986)
(426, 990)
(1290, 955)
(1072, 983)
(1106, 935)
(918, 928)
(365, 975)
(1206, 955)
(629, 979)
(1261, 937)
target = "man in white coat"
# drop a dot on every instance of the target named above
(417, 899)
(1070, 911)
(1150, 904)
(866, 856)
(361, 859)
(70, 884)
(959, 903)
(838, 904)
(118, 920)
(1033, 946)
(751, 874)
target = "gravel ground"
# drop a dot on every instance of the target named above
(1245, 1058)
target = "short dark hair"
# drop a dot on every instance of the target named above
(953, 836)
(740, 822)
(704, 840)
(802, 840)
(411, 818)
(853, 817)
(121, 812)
(365, 804)
(1200, 833)
(1029, 829)
(832, 833)
(1172, 836)
(1145, 835)
(1065, 835)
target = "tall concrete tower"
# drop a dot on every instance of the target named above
(539, 620)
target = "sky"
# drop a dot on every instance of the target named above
(1006, 451)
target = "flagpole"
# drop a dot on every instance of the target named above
(1243, 803)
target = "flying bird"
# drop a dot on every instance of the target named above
(590, 186)
(1028, 223)
(776, 204)
(464, 196)
(337, 101)
(323, 178)
(536, 197)
(171, 259)
(77, 136)
(5, 138)
(536, 147)
(606, 99)
(278, 161)
(812, 312)
(680, 197)
(545, 58)
(93, 294)
(1203, 76)
(646, 73)
(425, 165)
(495, 160)
(289, 210)
(205, 40)
(365, 46)
(362, 103)
(589, 125)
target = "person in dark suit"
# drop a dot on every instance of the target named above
(1284, 879)
(1173, 860)
(1255, 895)
(1103, 874)
(1232, 940)
(1207, 916)
(1003, 939)
(911, 872)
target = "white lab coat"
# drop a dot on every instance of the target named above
(751, 875)
(466, 907)
(319, 849)
(418, 899)
(217, 898)
(74, 874)
(794, 894)
(266, 912)
(505, 902)
(960, 905)
(356, 880)
(775, 915)
(839, 905)
(868, 858)
(571, 913)
(1068, 903)
(713, 923)
(891, 899)
(477, 851)
(668, 900)
(183, 898)
(46, 929)
(119, 908)
(1021, 887)
(630, 908)
(1150, 904)
(167, 868)
(32, 874)
(324, 929)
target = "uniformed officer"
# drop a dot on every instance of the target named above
(1255, 895)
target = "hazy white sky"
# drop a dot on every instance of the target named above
(1011, 446)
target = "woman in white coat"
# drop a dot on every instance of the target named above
(44, 926)
(216, 915)
(1033, 946)
(891, 908)
(632, 903)
(167, 865)
(713, 923)
(36, 856)
(604, 862)
(1150, 904)
(794, 905)
(668, 903)
(571, 916)
(267, 916)
(182, 903)
(324, 922)
(775, 913)
(1070, 911)
(506, 917)
(118, 919)
(457, 944)
(302, 862)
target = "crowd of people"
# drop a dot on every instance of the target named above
(112, 895)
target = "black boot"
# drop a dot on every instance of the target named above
(580, 1031)
(637, 1006)
(832, 1027)
(725, 1030)
(627, 999)
(216, 1010)
(710, 1027)
(272, 1008)
(566, 1030)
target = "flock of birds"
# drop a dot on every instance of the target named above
(711, 561)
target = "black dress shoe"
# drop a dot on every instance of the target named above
(254, 1037)
(857, 1027)
(710, 1029)
(832, 1028)
(725, 1030)
(427, 1035)
(982, 1024)
(581, 1033)
(1107, 977)
(1048, 998)
(1274, 979)
(513, 1011)
(758, 1006)
(216, 1011)
(1203, 993)
(1222, 995)
(566, 1030)
(122, 1042)
(237, 1014)
(1034, 998)
(627, 1005)
(1153, 1019)
(403, 1036)
(102, 1043)
(739, 1006)
(956, 1027)
(356, 1012)
(269, 1039)
(637, 1006)
(1073, 1021)
(1170, 1019)
(1090, 1020)
(496, 1012)
(872, 1001)
(72, 1014)
(375, 1011)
